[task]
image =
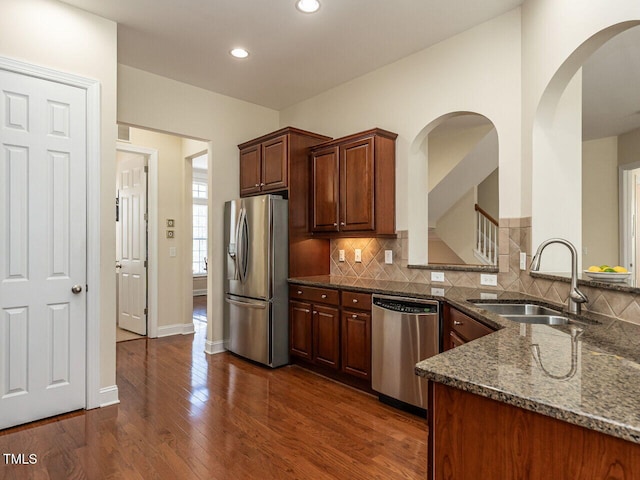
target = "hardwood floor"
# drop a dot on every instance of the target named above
(187, 415)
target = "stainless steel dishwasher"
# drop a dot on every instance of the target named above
(403, 332)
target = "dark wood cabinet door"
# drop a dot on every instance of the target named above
(250, 170)
(324, 190)
(300, 330)
(356, 343)
(453, 341)
(274, 164)
(357, 186)
(326, 336)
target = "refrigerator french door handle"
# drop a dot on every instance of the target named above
(241, 246)
(238, 303)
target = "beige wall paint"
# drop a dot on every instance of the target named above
(158, 103)
(477, 71)
(456, 227)
(489, 194)
(447, 149)
(57, 36)
(171, 180)
(629, 147)
(600, 202)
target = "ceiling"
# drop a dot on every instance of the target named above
(295, 56)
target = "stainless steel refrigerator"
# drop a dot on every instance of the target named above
(256, 268)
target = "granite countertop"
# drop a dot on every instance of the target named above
(585, 373)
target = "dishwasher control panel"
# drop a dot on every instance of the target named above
(406, 306)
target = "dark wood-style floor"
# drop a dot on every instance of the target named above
(187, 415)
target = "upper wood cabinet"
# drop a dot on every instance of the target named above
(279, 163)
(353, 184)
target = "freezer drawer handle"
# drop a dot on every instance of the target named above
(245, 304)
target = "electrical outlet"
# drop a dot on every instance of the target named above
(488, 279)
(437, 276)
(437, 292)
(523, 260)
(488, 296)
(358, 255)
(388, 257)
(341, 255)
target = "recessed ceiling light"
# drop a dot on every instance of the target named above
(308, 6)
(239, 53)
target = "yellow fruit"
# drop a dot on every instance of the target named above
(594, 268)
(620, 269)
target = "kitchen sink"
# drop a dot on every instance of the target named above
(526, 313)
(517, 309)
(538, 319)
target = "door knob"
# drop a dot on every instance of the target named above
(76, 289)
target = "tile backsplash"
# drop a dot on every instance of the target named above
(514, 237)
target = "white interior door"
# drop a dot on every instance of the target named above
(42, 248)
(131, 230)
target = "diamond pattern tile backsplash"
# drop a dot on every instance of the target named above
(514, 237)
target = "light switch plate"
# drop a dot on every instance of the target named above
(341, 255)
(388, 257)
(523, 260)
(488, 279)
(358, 255)
(437, 276)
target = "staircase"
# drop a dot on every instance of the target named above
(486, 249)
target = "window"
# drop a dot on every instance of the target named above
(200, 195)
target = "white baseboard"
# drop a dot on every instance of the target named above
(200, 292)
(214, 347)
(108, 396)
(176, 329)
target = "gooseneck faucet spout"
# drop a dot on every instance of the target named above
(576, 297)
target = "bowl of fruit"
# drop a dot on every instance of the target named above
(605, 273)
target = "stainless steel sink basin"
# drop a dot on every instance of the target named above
(526, 313)
(538, 319)
(516, 309)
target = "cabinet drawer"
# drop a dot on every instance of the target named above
(466, 327)
(313, 294)
(358, 301)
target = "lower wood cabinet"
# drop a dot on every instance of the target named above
(459, 328)
(332, 330)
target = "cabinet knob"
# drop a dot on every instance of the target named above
(315, 312)
(257, 185)
(323, 295)
(342, 224)
(355, 300)
(455, 322)
(299, 292)
(335, 224)
(262, 184)
(354, 316)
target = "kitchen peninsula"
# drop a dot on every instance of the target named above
(527, 401)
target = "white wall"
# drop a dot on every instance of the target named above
(558, 36)
(57, 36)
(158, 103)
(489, 194)
(477, 71)
(629, 147)
(600, 202)
(456, 228)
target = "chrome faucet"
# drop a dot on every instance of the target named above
(576, 297)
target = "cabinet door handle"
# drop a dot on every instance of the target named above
(355, 300)
(455, 322)
(342, 224)
(257, 185)
(305, 310)
(315, 312)
(335, 224)
(354, 316)
(324, 295)
(262, 184)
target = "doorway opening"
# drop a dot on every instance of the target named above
(200, 214)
